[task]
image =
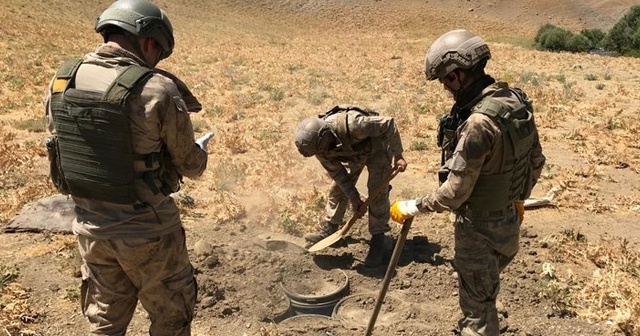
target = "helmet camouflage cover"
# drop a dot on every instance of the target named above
(140, 18)
(457, 49)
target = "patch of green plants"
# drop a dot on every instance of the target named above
(419, 146)
(296, 67)
(590, 77)
(288, 223)
(614, 123)
(275, 93)
(622, 39)
(530, 77)
(32, 125)
(198, 125)
(7, 275)
(574, 235)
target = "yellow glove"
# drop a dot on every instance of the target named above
(519, 205)
(403, 210)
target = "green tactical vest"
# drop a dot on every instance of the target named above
(94, 139)
(346, 149)
(496, 192)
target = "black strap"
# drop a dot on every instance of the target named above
(148, 159)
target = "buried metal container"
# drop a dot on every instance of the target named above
(355, 310)
(316, 295)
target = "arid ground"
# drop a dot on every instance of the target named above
(259, 67)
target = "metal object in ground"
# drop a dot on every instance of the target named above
(323, 301)
(397, 250)
(336, 236)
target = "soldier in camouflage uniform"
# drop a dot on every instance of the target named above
(122, 139)
(492, 159)
(345, 140)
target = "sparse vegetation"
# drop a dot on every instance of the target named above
(609, 294)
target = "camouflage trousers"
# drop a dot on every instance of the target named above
(483, 249)
(337, 200)
(116, 273)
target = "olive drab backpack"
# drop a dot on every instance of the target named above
(342, 127)
(91, 151)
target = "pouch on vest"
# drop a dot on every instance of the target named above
(55, 170)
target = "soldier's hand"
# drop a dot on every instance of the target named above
(204, 140)
(359, 209)
(401, 164)
(519, 205)
(402, 210)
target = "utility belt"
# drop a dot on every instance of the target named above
(467, 211)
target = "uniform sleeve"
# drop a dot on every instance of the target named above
(340, 176)
(176, 130)
(537, 163)
(385, 128)
(475, 144)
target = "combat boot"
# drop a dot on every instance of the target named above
(326, 230)
(377, 251)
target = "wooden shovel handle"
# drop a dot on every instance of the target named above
(397, 250)
(376, 192)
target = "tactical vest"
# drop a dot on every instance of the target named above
(496, 192)
(346, 149)
(94, 143)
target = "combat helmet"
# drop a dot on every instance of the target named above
(309, 135)
(457, 49)
(140, 18)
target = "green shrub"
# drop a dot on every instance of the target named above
(595, 37)
(542, 31)
(624, 37)
(553, 38)
(578, 43)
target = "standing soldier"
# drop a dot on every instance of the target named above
(492, 158)
(345, 140)
(122, 139)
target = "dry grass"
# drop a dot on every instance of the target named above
(16, 311)
(612, 291)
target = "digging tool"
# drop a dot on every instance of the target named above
(397, 250)
(343, 231)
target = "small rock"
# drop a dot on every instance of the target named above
(211, 261)
(202, 248)
(226, 311)
(208, 302)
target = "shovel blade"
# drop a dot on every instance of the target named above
(333, 238)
